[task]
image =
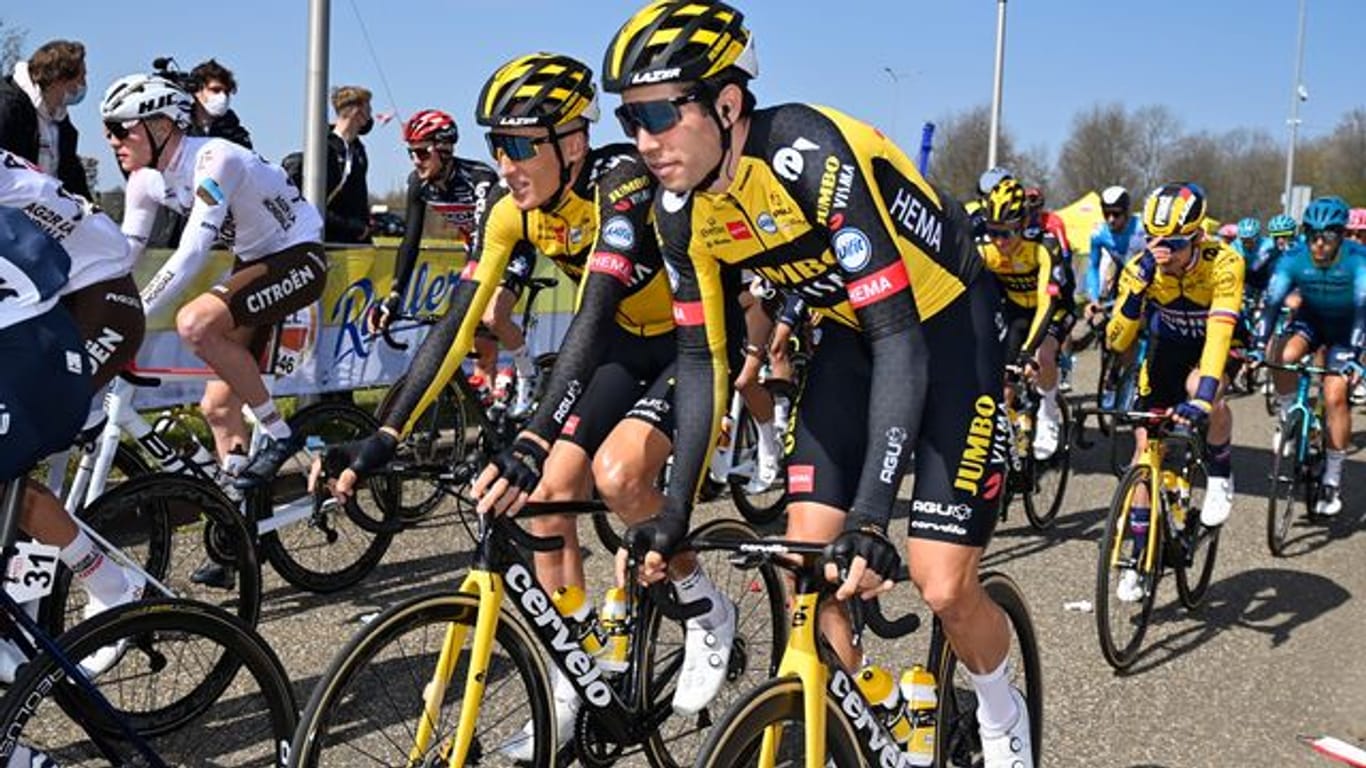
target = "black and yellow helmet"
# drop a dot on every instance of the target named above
(1174, 210)
(1005, 202)
(672, 41)
(544, 89)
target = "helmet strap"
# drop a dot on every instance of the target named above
(715, 173)
(157, 149)
(565, 168)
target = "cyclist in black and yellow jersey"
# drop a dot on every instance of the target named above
(1188, 288)
(909, 362)
(606, 419)
(1034, 278)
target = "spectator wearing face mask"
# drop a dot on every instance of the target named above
(33, 111)
(212, 116)
(348, 194)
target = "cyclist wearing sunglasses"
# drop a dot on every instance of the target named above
(1033, 278)
(228, 193)
(1329, 273)
(1187, 288)
(909, 363)
(1115, 241)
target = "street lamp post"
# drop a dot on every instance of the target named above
(315, 107)
(994, 136)
(1297, 94)
(896, 101)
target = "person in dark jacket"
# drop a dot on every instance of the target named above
(348, 194)
(214, 88)
(33, 105)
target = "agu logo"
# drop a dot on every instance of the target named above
(852, 248)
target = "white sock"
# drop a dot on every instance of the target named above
(997, 709)
(521, 360)
(1049, 398)
(781, 411)
(1332, 472)
(768, 438)
(268, 416)
(102, 577)
(696, 586)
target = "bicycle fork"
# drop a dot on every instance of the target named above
(1152, 459)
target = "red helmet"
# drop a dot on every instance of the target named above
(431, 125)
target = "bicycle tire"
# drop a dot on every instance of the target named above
(324, 717)
(290, 549)
(736, 738)
(1041, 519)
(1117, 655)
(768, 505)
(604, 525)
(957, 739)
(438, 437)
(1195, 547)
(150, 629)
(750, 661)
(175, 515)
(1285, 477)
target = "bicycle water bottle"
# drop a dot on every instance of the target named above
(572, 604)
(917, 688)
(615, 632)
(881, 690)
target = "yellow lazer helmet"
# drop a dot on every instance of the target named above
(1174, 210)
(672, 41)
(544, 89)
(1005, 202)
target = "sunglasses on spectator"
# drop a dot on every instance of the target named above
(120, 130)
(515, 148)
(1330, 235)
(655, 116)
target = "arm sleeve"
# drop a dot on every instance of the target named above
(406, 257)
(1359, 306)
(702, 384)
(1046, 294)
(1093, 271)
(1133, 287)
(444, 349)
(611, 276)
(140, 210)
(216, 181)
(1224, 311)
(1282, 280)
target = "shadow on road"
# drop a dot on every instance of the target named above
(1272, 601)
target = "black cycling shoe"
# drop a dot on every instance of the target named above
(267, 462)
(214, 575)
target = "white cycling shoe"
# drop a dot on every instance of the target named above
(1329, 502)
(102, 660)
(706, 657)
(1046, 432)
(1012, 748)
(767, 461)
(1218, 501)
(11, 659)
(522, 747)
(1129, 589)
(521, 401)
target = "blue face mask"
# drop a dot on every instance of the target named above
(72, 99)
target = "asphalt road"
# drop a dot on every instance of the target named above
(1277, 651)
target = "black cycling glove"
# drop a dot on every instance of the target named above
(521, 464)
(662, 533)
(868, 542)
(364, 457)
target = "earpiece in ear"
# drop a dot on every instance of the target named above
(725, 111)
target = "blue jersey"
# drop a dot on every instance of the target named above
(1260, 263)
(1120, 248)
(1334, 294)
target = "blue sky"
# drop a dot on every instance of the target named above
(1219, 64)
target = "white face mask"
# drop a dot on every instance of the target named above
(216, 104)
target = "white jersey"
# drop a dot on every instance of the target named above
(98, 251)
(227, 192)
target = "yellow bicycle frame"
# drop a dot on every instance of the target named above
(1153, 454)
(802, 659)
(488, 586)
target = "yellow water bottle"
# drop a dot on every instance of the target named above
(572, 604)
(1171, 489)
(917, 688)
(615, 632)
(880, 689)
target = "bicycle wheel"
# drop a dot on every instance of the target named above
(760, 635)
(767, 505)
(438, 438)
(1193, 547)
(1049, 477)
(1285, 479)
(324, 550)
(735, 740)
(958, 741)
(369, 702)
(195, 682)
(170, 525)
(1122, 623)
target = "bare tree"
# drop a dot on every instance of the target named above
(1099, 152)
(11, 42)
(960, 153)
(1156, 130)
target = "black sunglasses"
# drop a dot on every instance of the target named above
(1002, 233)
(517, 148)
(120, 130)
(654, 116)
(1114, 213)
(1330, 235)
(420, 153)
